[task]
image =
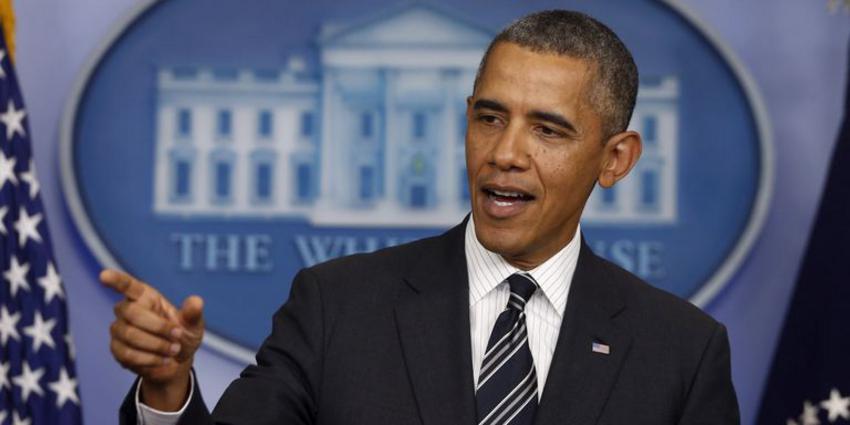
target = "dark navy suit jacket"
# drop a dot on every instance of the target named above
(384, 338)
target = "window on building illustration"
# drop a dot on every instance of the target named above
(366, 125)
(226, 74)
(420, 125)
(265, 125)
(223, 172)
(267, 75)
(307, 124)
(184, 122)
(650, 129)
(609, 197)
(184, 73)
(419, 164)
(263, 177)
(367, 189)
(649, 189)
(224, 123)
(182, 178)
(304, 181)
(418, 196)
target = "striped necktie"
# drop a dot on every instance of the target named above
(507, 385)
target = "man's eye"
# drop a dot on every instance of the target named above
(489, 119)
(548, 132)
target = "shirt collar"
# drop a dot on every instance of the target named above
(488, 269)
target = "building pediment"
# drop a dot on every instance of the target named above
(411, 25)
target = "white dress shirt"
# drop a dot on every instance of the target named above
(488, 297)
(489, 293)
(146, 415)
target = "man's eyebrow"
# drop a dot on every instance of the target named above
(489, 104)
(554, 118)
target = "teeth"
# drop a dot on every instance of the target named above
(507, 194)
(503, 204)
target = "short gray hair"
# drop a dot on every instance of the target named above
(615, 81)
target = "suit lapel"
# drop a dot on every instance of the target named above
(580, 379)
(432, 316)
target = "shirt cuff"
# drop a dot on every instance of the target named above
(146, 415)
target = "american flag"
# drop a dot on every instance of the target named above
(38, 382)
(809, 381)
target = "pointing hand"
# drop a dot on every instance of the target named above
(154, 339)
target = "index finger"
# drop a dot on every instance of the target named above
(123, 283)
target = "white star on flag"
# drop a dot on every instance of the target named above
(69, 342)
(65, 388)
(2, 75)
(52, 284)
(14, 120)
(17, 276)
(17, 420)
(27, 227)
(4, 378)
(8, 326)
(810, 414)
(28, 381)
(31, 179)
(7, 169)
(836, 406)
(39, 331)
(3, 211)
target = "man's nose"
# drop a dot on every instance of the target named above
(510, 150)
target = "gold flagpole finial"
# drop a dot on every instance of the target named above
(7, 19)
(834, 5)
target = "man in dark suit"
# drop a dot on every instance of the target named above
(508, 318)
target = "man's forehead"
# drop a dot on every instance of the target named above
(518, 72)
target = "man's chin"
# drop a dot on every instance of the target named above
(502, 241)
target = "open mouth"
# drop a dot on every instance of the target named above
(505, 198)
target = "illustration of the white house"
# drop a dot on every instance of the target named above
(373, 137)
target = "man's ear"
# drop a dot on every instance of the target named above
(621, 153)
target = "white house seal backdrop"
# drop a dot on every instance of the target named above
(216, 147)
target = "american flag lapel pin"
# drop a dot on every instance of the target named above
(598, 347)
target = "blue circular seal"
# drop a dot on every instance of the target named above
(214, 147)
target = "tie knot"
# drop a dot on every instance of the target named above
(522, 288)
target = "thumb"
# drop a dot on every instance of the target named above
(192, 313)
(192, 322)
